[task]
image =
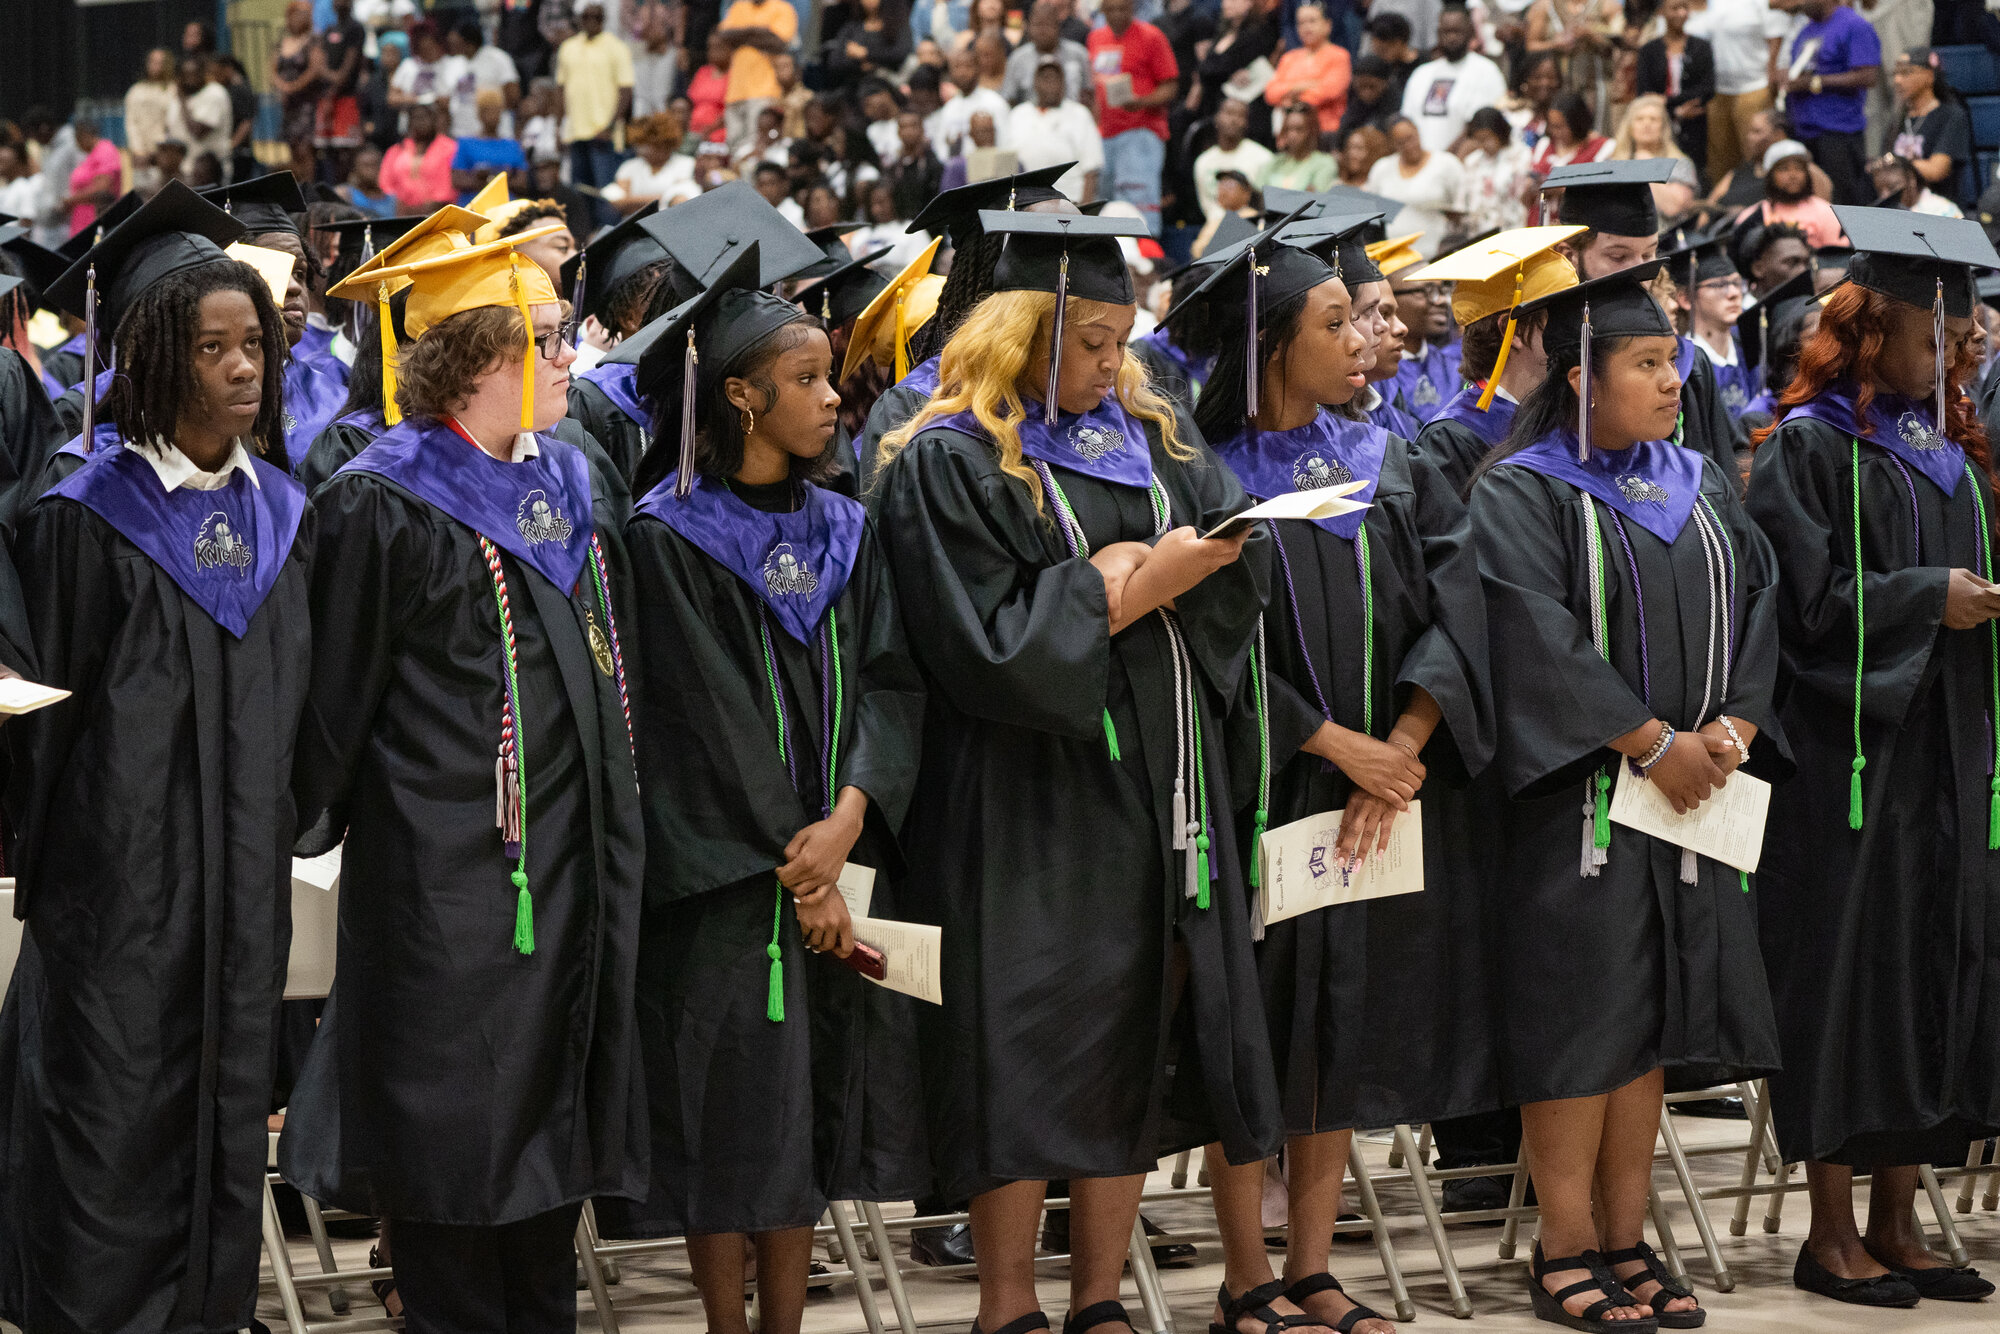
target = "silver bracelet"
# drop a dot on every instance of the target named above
(1735, 738)
(1659, 750)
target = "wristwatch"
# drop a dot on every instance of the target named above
(1815, 84)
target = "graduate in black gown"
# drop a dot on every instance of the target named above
(1371, 658)
(778, 717)
(878, 341)
(838, 300)
(166, 585)
(1375, 308)
(1071, 830)
(1880, 876)
(476, 1075)
(1615, 201)
(615, 277)
(1631, 609)
(29, 430)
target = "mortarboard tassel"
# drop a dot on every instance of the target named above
(825, 306)
(684, 482)
(1937, 341)
(391, 414)
(527, 327)
(577, 288)
(1764, 344)
(1049, 408)
(1583, 395)
(1252, 380)
(367, 242)
(90, 359)
(902, 340)
(1506, 339)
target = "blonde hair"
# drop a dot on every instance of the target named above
(981, 368)
(1623, 139)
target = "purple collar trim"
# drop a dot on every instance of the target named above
(621, 385)
(1491, 425)
(1106, 443)
(1326, 451)
(1905, 427)
(1654, 483)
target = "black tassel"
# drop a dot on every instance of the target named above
(90, 359)
(1937, 341)
(576, 291)
(1251, 378)
(1583, 395)
(684, 481)
(1056, 341)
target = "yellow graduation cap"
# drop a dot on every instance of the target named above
(448, 272)
(491, 195)
(1396, 254)
(1499, 274)
(882, 331)
(273, 266)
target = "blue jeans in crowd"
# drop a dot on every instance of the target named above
(1133, 162)
(593, 162)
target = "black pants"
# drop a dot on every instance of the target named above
(1475, 1141)
(1844, 158)
(519, 1278)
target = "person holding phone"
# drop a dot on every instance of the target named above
(1340, 721)
(1632, 611)
(1043, 513)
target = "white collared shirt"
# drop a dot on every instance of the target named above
(176, 470)
(1726, 357)
(525, 445)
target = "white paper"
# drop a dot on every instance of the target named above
(857, 888)
(321, 872)
(315, 926)
(19, 696)
(1320, 503)
(913, 953)
(1728, 827)
(1301, 868)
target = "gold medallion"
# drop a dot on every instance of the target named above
(600, 647)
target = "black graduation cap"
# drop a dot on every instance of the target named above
(1093, 208)
(1067, 254)
(1753, 326)
(1230, 233)
(262, 204)
(1613, 197)
(594, 272)
(40, 266)
(846, 292)
(121, 208)
(1618, 305)
(958, 210)
(705, 234)
(1280, 202)
(1699, 259)
(833, 249)
(362, 237)
(1833, 257)
(175, 231)
(711, 329)
(1262, 274)
(1340, 240)
(1917, 257)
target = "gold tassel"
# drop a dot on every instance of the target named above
(391, 414)
(1506, 340)
(902, 340)
(528, 327)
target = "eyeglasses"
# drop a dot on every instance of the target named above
(553, 345)
(1722, 286)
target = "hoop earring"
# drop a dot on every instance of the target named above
(748, 421)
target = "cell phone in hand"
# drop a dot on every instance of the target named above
(868, 961)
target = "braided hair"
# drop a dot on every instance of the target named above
(1222, 410)
(673, 286)
(970, 281)
(154, 342)
(20, 302)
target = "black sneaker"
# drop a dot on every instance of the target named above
(1466, 1194)
(939, 1246)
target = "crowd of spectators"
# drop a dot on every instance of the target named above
(1186, 110)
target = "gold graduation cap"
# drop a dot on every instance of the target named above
(1498, 274)
(494, 207)
(1396, 254)
(448, 272)
(273, 266)
(894, 316)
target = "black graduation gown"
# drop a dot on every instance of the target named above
(453, 1079)
(757, 1124)
(1095, 1018)
(1882, 943)
(335, 446)
(897, 405)
(1602, 979)
(156, 821)
(1706, 426)
(622, 439)
(66, 366)
(1164, 375)
(1364, 1029)
(29, 433)
(1454, 449)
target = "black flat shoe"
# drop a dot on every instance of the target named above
(1944, 1284)
(939, 1246)
(1549, 1305)
(1889, 1290)
(1314, 1284)
(1020, 1325)
(1670, 1287)
(1166, 1254)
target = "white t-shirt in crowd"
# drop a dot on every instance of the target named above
(671, 184)
(956, 117)
(1442, 95)
(1249, 157)
(1425, 197)
(1740, 31)
(488, 67)
(1063, 133)
(210, 107)
(429, 81)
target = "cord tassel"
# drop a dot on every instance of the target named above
(1201, 873)
(1600, 819)
(1049, 408)
(1583, 397)
(902, 340)
(1250, 371)
(524, 915)
(1690, 872)
(1111, 736)
(774, 997)
(1192, 867)
(90, 359)
(1588, 865)
(684, 479)
(1743, 881)
(1180, 815)
(1257, 849)
(1854, 793)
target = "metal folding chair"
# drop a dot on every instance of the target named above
(1977, 1164)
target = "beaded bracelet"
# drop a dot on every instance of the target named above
(1735, 738)
(1659, 751)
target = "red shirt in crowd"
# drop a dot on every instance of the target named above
(1143, 53)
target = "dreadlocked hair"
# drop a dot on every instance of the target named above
(672, 286)
(18, 305)
(625, 305)
(154, 342)
(1854, 326)
(718, 425)
(983, 364)
(1222, 411)
(970, 279)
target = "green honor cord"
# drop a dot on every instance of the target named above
(1367, 632)
(1260, 699)
(1993, 647)
(1598, 785)
(1860, 642)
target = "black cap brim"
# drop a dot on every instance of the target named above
(707, 233)
(1037, 243)
(843, 294)
(174, 231)
(610, 260)
(263, 204)
(958, 210)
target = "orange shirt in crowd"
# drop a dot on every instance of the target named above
(1317, 78)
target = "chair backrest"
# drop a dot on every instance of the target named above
(315, 926)
(1985, 113)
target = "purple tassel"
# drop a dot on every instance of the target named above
(684, 480)
(1583, 396)
(1250, 369)
(1937, 341)
(90, 359)
(1049, 408)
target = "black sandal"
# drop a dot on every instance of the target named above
(1018, 1325)
(1100, 1313)
(1549, 1306)
(1314, 1284)
(1256, 1303)
(384, 1288)
(1671, 1288)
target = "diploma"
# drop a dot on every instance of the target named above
(19, 696)
(1320, 503)
(914, 956)
(1301, 868)
(1728, 827)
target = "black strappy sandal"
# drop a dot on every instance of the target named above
(1549, 1306)
(384, 1288)
(1256, 1303)
(1019, 1325)
(1096, 1314)
(1314, 1284)
(1670, 1287)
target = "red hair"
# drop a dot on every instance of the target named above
(1853, 326)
